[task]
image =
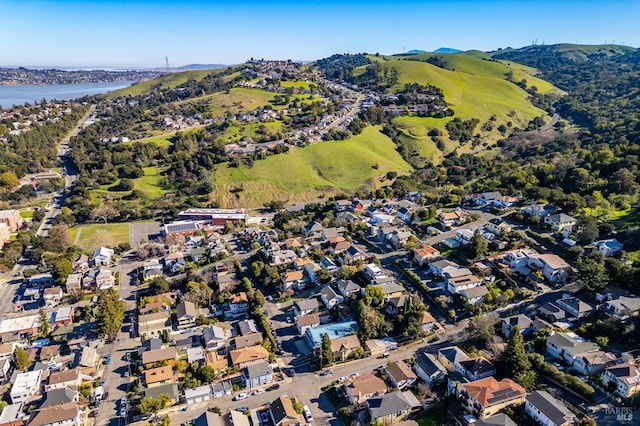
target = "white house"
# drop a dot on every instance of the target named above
(429, 369)
(103, 256)
(256, 375)
(560, 221)
(608, 247)
(26, 384)
(547, 411)
(330, 297)
(465, 282)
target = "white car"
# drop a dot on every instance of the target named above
(258, 391)
(342, 379)
(307, 414)
(123, 412)
(240, 396)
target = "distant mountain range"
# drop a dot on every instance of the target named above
(192, 67)
(440, 50)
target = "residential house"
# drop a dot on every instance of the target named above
(404, 214)
(186, 314)
(330, 297)
(159, 376)
(151, 269)
(64, 379)
(429, 369)
(221, 389)
(498, 226)
(12, 415)
(428, 322)
(484, 198)
(395, 305)
(339, 247)
(256, 375)
(307, 321)
(450, 357)
(248, 326)
(351, 255)
(49, 353)
(214, 337)
(174, 262)
(363, 387)
(485, 397)
(58, 397)
(5, 369)
(392, 407)
(312, 269)
(560, 221)
(476, 368)
(313, 230)
(103, 256)
(195, 354)
(347, 287)
(281, 257)
(239, 303)
(553, 267)
(400, 375)
(609, 247)
(574, 307)
(499, 419)
(521, 321)
(342, 205)
(453, 218)
(547, 410)
(73, 285)
(88, 360)
(475, 295)
(464, 236)
(551, 312)
(540, 210)
(331, 233)
(169, 389)
(216, 361)
(504, 201)
(568, 346)
(166, 355)
(399, 238)
(52, 296)
(623, 378)
(241, 358)
(209, 418)
(25, 385)
(591, 363)
(464, 282)
(305, 306)
(193, 241)
(197, 395)
(373, 271)
(282, 412)
(622, 307)
(81, 263)
(391, 290)
(425, 253)
(439, 266)
(344, 347)
(154, 323)
(12, 219)
(66, 414)
(293, 280)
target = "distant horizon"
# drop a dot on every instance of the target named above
(82, 67)
(141, 33)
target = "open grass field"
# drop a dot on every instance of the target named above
(150, 183)
(168, 81)
(90, 237)
(364, 161)
(237, 131)
(298, 84)
(244, 99)
(162, 140)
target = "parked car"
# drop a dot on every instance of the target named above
(326, 372)
(258, 391)
(342, 379)
(242, 409)
(240, 396)
(264, 417)
(307, 414)
(273, 387)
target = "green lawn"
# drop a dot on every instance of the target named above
(236, 132)
(150, 183)
(298, 84)
(361, 161)
(94, 236)
(26, 214)
(163, 140)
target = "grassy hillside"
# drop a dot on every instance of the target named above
(168, 81)
(305, 173)
(474, 87)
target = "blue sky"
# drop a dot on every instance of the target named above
(122, 33)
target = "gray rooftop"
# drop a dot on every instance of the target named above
(257, 370)
(552, 408)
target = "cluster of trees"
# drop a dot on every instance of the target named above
(340, 67)
(109, 313)
(461, 130)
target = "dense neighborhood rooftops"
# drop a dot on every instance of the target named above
(250, 354)
(333, 330)
(57, 414)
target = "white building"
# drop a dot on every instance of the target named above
(27, 384)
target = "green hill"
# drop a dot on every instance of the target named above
(474, 86)
(307, 173)
(168, 81)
